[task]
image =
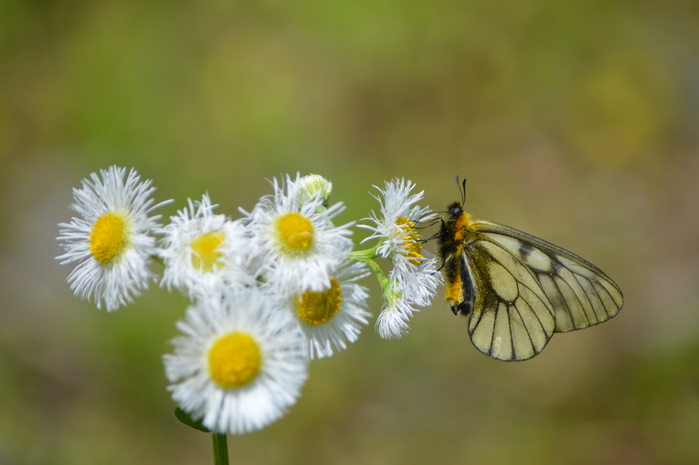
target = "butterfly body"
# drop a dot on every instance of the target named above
(515, 289)
(453, 237)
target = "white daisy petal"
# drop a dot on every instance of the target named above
(112, 240)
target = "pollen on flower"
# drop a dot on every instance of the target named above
(411, 239)
(205, 254)
(295, 232)
(234, 360)
(108, 237)
(316, 308)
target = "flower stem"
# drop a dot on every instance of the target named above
(365, 255)
(368, 256)
(220, 449)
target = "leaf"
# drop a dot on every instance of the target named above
(185, 419)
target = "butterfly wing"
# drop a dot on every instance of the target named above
(511, 318)
(580, 294)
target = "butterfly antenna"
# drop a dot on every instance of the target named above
(462, 189)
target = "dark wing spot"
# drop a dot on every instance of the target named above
(525, 250)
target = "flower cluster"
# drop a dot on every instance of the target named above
(269, 291)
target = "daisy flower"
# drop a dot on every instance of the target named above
(111, 241)
(414, 277)
(240, 364)
(203, 251)
(332, 318)
(295, 240)
(396, 225)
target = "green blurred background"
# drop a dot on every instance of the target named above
(575, 121)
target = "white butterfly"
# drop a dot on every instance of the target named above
(516, 289)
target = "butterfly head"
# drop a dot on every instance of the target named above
(458, 219)
(455, 209)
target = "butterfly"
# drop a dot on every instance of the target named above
(515, 289)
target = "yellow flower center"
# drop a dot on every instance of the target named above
(234, 360)
(295, 233)
(108, 237)
(205, 254)
(316, 308)
(411, 239)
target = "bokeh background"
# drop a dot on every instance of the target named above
(575, 121)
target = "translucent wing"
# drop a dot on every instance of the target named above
(511, 317)
(580, 294)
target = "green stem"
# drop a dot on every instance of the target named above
(220, 449)
(365, 255)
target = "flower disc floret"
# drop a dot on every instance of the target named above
(234, 360)
(412, 244)
(109, 237)
(295, 233)
(316, 308)
(206, 254)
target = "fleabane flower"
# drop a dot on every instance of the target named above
(241, 362)
(295, 240)
(396, 225)
(203, 251)
(112, 239)
(414, 277)
(332, 318)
